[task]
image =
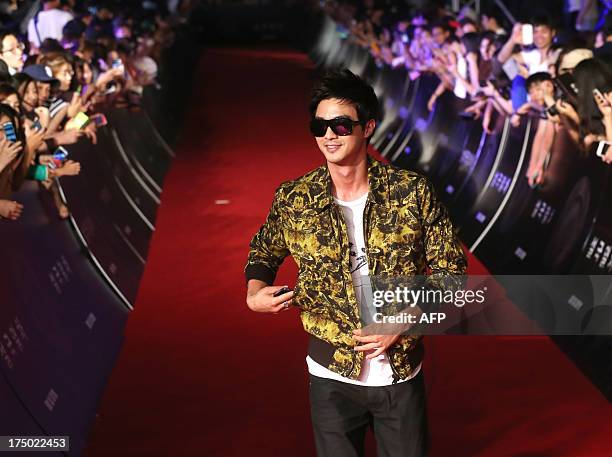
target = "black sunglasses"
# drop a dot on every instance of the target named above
(341, 126)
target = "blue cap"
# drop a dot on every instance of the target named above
(40, 73)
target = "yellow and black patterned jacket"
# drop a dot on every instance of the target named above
(407, 231)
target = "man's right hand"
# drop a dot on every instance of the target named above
(261, 299)
(517, 33)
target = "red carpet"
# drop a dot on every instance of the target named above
(202, 375)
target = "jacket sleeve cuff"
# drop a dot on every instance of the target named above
(261, 272)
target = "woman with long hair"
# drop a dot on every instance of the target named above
(591, 74)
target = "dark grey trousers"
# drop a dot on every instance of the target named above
(341, 414)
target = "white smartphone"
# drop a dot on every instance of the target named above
(527, 34)
(598, 93)
(602, 148)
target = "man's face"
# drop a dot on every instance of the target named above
(538, 91)
(12, 52)
(44, 90)
(542, 36)
(468, 28)
(548, 88)
(535, 93)
(439, 35)
(342, 150)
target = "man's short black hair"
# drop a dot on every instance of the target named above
(543, 20)
(439, 25)
(491, 12)
(537, 78)
(344, 85)
(4, 34)
(466, 20)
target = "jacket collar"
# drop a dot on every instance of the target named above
(320, 185)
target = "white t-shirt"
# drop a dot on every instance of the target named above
(533, 61)
(460, 90)
(376, 371)
(50, 25)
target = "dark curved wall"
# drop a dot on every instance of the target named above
(67, 287)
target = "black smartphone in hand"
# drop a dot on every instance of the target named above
(282, 291)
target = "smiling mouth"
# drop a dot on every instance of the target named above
(332, 147)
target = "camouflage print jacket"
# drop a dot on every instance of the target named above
(406, 229)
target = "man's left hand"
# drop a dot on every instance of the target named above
(378, 343)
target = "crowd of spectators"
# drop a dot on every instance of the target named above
(554, 69)
(62, 64)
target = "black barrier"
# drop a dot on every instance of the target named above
(406, 147)
(563, 226)
(16, 420)
(67, 286)
(517, 242)
(61, 326)
(387, 132)
(392, 102)
(144, 197)
(149, 154)
(475, 176)
(107, 218)
(483, 213)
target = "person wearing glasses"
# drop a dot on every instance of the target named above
(11, 52)
(344, 222)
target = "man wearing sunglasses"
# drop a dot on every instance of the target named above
(344, 222)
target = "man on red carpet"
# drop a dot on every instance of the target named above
(343, 223)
